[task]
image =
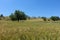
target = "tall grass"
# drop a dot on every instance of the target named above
(29, 30)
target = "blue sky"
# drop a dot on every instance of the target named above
(31, 7)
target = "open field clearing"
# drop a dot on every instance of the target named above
(29, 30)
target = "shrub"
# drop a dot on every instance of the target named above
(54, 18)
(44, 18)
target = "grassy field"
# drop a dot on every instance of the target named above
(29, 30)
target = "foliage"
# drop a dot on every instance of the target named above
(1, 15)
(13, 17)
(55, 18)
(44, 18)
(18, 15)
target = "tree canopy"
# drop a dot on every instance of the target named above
(54, 18)
(18, 15)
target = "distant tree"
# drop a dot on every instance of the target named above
(54, 18)
(44, 18)
(18, 15)
(1, 15)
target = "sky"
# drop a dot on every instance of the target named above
(33, 8)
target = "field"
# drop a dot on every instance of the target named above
(29, 30)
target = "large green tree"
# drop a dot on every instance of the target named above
(18, 15)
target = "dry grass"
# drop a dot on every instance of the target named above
(29, 30)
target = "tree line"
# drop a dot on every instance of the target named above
(20, 15)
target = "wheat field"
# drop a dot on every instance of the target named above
(29, 30)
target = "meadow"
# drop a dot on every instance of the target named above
(29, 30)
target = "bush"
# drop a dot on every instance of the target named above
(48, 19)
(54, 18)
(44, 18)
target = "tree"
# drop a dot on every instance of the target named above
(54, 18)
(44, 18)
(18, 15)
(1, 15)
